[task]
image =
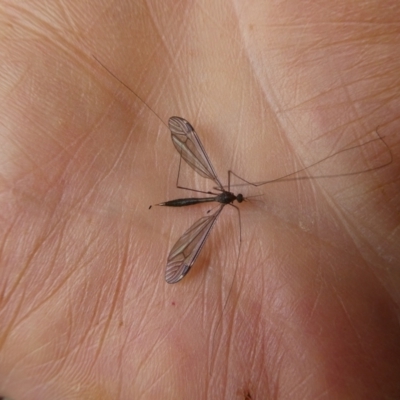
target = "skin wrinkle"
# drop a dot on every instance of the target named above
(345, 221)
(317, 297)
(63, 149)
(162, 375)
(257, 347)
(93, 317)
(57, 223)
(120, 370)
(393, 233)
(115, 161)
(151, 354)
(5, 334)
(348, 317)
(121, 355)
(3, 244)
(99, 315)
(94, 185)
(348, 96)
(207, 311)
(213, 314)
(162, 33)
(233, 321)
(301, 386)
(44, 300)
(150, 62)
(35, 166)
(28, 16)
(97, 306)
(350, 323)
(274, 369)
(350, 227)
(146, 361)
(141, 329)
(115, 297)
(67, 18)
(58, 38)
(217, 24)
(90, 328)
(16, 364)
(12, 89)
(24, 269)
(58, 365)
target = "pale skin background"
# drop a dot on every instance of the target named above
(270, 87)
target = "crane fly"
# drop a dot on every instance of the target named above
(186, 141)
(188, 247)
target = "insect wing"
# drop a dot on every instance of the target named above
(188, 247)
(189, 146)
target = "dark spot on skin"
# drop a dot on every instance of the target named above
(173, 303)
(245, 394)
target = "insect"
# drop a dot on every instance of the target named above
(186, 250)
(188, 247)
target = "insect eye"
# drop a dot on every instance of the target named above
(239, 198)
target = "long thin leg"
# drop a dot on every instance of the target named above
(291, 176)
(232, 283)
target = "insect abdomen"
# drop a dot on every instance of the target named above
(187, 202)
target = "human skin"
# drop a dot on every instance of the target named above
(270, 88)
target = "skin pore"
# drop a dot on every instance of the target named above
(270, 88)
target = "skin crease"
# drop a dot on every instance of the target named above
(270, 87)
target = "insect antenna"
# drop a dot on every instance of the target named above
(127, 87)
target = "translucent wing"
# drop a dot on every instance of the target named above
(188, 144)
(188, 247)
